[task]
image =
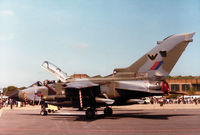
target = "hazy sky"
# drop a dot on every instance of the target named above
(90, 36)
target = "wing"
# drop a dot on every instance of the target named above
(86, 85)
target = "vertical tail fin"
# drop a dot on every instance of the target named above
(162, 58)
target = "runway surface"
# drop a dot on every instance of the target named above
(123, 121)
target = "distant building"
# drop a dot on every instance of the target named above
(184, 84)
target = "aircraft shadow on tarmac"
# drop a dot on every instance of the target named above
(119, 115)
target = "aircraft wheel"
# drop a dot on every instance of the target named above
(49, 111)
(43, 113)
(90, 113)
(108, 111)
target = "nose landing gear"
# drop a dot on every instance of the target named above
(43, 111)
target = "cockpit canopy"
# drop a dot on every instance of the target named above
(55, 71)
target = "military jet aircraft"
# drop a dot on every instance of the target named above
(145, 77)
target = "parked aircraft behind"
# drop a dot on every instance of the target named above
(34, 93)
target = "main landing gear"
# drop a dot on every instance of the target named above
(90, 112)
(108, 111)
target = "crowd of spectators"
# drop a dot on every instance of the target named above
(4, 102)
(178, 100)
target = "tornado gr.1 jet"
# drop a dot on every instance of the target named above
(145, 77)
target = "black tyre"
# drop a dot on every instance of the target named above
(90, 113)
(108, 111)
(49, 111)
